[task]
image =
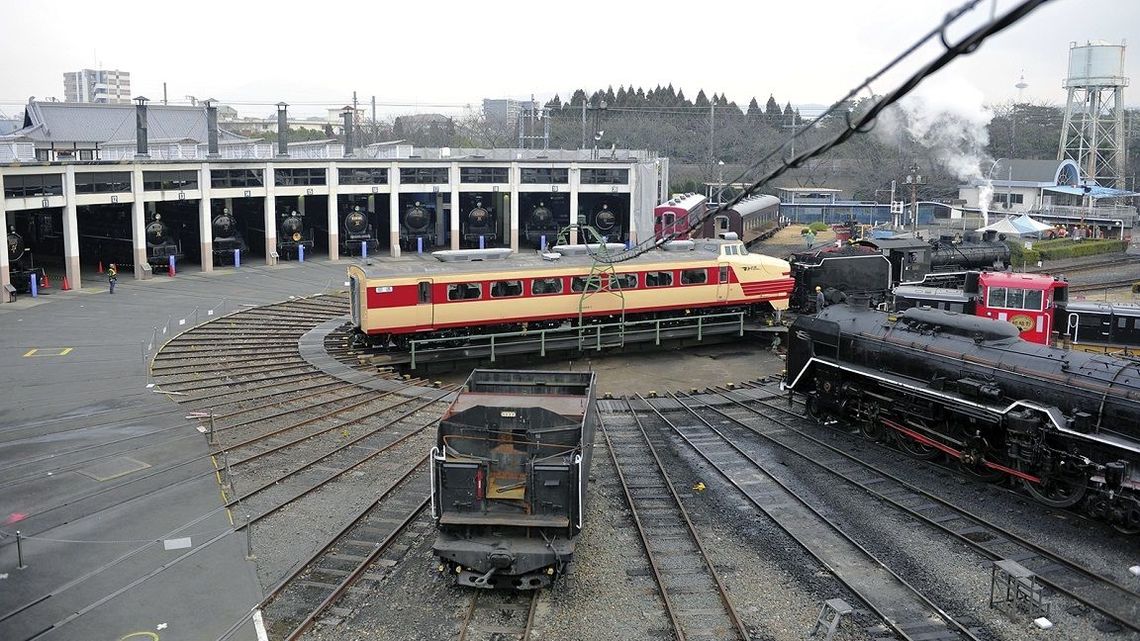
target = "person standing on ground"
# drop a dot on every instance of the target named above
(820, 299)
(809, 238)
(112, 276)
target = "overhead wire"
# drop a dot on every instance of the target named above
(862, 124)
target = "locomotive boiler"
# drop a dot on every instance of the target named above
(21, 267)
(479, 222)
(226, 237)
(292, 235)
(606, 222)
(509, 476)
(935, 382)
(417, 222)
(357, 230)
(540, 222)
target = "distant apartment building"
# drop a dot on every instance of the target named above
(107, 86)
(505, 110)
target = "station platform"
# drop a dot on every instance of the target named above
(123, 531)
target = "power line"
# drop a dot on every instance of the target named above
(863, 124)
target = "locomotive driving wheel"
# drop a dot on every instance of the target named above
(870, 427)
(1057, 492)
(914, 448)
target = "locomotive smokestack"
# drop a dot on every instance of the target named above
(140, 128)
(282, 130)
(348, 142)
(211, 130)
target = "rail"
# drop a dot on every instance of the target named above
(595, 337)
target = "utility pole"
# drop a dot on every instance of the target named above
(914, 179)
(712, 130)
(583, 125)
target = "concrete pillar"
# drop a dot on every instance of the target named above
(205, 221)
(333, 208)
(270, 217)
(5, 276)
(394, 210)
(441, 222)
(138, 220)
(513, 223)
(70, 230)
(575, 182)
(453, 175)
(633, 201)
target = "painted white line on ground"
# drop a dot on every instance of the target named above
(259, 625)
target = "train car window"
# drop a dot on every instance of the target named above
(957, 307)
(425, 292)
(464, 291)
(1015, 298)
(723, 273)
(545, 286)
(742, 249)
(1122, 323)
(1033, 299)
(996, 297)
(367, 176)
(694, 276)
(506, 289)
(542, 175)
(1088, 320)
(658, 279)
(579, 283)
(623, 281)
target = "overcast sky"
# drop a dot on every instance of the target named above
(440, 55)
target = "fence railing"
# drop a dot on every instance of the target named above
(178, 323)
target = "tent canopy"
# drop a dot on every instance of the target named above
(1030, 226)
(1003, 226)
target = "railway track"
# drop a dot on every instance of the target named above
(499, 616)
(1117, 601)
(694, 594)
(752, 470)
(1106, 285)
(348, 558)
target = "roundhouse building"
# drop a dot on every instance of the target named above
(67, 208)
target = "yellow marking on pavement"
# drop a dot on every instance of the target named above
(59, 351)
(140, 635)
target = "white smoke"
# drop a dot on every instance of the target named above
(946, 115)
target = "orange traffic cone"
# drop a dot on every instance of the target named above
(45, 282)
(100, 267)
(66, 285)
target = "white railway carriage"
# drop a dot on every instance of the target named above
(394, 302)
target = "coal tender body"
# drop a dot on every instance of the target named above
(509, 474)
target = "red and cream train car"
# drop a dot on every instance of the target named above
(395, 302)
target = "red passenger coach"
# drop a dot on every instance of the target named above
(675, 216)
(1027, 301)
(393, 303)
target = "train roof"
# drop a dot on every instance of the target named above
(755, 203)
(893, 243)
(704, 250)
(1016, 279)
(1101, 307)
(684, 201)
(931, 293)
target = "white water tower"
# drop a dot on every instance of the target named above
(1093, 133)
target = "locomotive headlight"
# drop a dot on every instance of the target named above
(459, 569)
(550, 570)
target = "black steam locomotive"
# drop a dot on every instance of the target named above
(873, 266)
(292, 235)
(357, 230)
(417, 222)
(21, 268)
(109, 238)
(227, 238)
(936, 382)
(540, 222)
(606, 222)
(480, 222)
(509, 476)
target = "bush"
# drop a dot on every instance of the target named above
(1019, 256)
(817, 227)
(1061, 248)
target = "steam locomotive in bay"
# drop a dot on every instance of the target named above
(226, 238)
(873, 266)
(357, 230)
(109, 238)
(540, 223)
(939, 383)
(509, 476)
(21, 267)
(417, 222)
(606, 222)
(292, 235)
(479, 222)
